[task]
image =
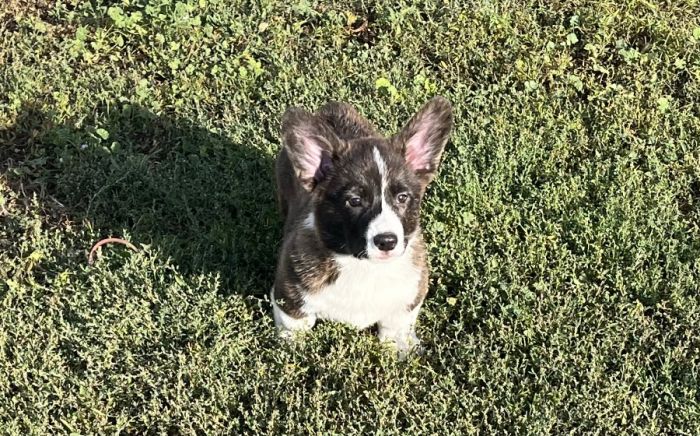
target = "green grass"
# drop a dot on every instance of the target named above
(563, 229)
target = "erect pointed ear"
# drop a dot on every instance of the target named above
(423, 139)
(310, 143)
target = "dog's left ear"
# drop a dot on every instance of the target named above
(423, 139)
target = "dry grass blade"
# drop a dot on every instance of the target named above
(91, 256)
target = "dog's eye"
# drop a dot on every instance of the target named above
(402, 198)
(355, 202)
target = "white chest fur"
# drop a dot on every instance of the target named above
(366, 292)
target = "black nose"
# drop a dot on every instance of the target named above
(385, 241)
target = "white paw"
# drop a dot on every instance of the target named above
(297, 330)
(404, 343)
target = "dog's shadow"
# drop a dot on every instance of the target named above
(201, 198)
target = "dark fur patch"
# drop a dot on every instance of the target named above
(307, 269)
(346, 121)
(420, 260)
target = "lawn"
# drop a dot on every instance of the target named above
(563, 228)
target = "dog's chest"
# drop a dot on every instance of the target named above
(366, 292)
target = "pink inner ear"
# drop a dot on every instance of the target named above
(418, 151)
(310, 159)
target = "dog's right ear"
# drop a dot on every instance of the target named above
(310, 143)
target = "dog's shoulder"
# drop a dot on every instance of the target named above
(309, 262)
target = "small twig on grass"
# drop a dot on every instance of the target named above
(360, 29)
(91, 259)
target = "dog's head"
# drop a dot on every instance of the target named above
(366, 189)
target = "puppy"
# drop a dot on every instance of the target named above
(353, 249)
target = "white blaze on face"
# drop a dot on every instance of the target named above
(386, 222)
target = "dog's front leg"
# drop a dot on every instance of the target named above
(286, 324)
(399, 330)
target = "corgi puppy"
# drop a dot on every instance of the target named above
(353, 249)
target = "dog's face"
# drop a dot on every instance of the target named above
(366, 190)
(370, 205)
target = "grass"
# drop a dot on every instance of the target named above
(563, 229)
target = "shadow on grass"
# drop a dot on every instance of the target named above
(198, 197)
